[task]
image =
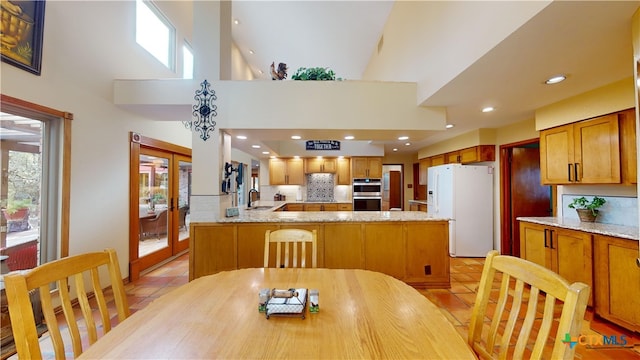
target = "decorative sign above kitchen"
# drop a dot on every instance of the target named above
(323, 145)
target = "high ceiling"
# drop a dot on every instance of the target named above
(463, 55)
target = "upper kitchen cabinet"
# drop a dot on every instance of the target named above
(343, 171)
(422, 168)
(586, 152)
(320, 165)
(629, 156)
(438, 160)
(286, 172)
(478, 154)
(363, 167)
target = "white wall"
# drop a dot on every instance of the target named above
(86, 46)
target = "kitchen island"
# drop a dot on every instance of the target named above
(410, 246)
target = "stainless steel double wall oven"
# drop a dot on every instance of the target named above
(367, 194)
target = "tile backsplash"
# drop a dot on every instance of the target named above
(618, 210)
(320, 187)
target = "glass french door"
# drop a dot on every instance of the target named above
(160, 193)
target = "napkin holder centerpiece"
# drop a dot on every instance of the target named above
(290, 302)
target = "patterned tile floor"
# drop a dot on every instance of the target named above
(456, 303)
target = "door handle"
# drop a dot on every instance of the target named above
(575, 172)
(569, 171)
(551, 239)
(545, 238)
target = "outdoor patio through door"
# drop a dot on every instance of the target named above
(160, 187)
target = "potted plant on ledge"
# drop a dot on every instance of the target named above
(587, 210)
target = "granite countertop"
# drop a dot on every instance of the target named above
(423, 202)
(267, 214)
(626, 232)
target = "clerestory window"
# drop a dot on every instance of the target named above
(155, 33)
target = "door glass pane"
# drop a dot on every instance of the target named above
(20, 193)
(184, 194)
(153, 212)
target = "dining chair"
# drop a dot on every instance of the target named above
(291, 239)
(53, 278)
(522, 282)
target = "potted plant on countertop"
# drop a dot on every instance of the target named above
(587, 210)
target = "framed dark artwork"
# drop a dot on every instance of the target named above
(21, 32)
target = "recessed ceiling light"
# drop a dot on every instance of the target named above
(488, 109)
(555, 79)
(296, 137)
(241, 137)
(403, 138)
(265, 152)
(349, 137)
(449, 126)
(251, 52)
(407, 144)
(255, 146)
(395, 149)
(236, 21)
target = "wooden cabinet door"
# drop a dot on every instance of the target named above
(375, 168)
(313, 165)
(534, 243)
(343, 171)
(295, 172)
(452, 157)
(312, 207)
(597, 152)
(319, 165)
(628, 147)
(345, 207)
(438, 160)
(477, 154)
(286, 172)
(295, 207)
(425, 244)
(329, 207)
(572, 256)
(277, 172)
(617, 293)
(343, 246)
(359, 167)
(556, 155)
(423, 166)
(329, 166)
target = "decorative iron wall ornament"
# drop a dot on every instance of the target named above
(204, 110)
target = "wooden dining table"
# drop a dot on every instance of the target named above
(363, 315)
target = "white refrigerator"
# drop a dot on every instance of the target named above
(463, 194)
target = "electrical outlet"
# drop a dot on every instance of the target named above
(427, 269)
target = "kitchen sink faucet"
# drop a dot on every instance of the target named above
(249, 202)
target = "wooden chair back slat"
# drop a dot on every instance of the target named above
(18, 285)
(523, 285)
(291, 240)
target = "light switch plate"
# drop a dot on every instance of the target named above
(232, 211)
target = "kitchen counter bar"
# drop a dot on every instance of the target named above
(408, 245)
(626, 232)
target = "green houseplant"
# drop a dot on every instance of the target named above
(316, 73)
(587, 210)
